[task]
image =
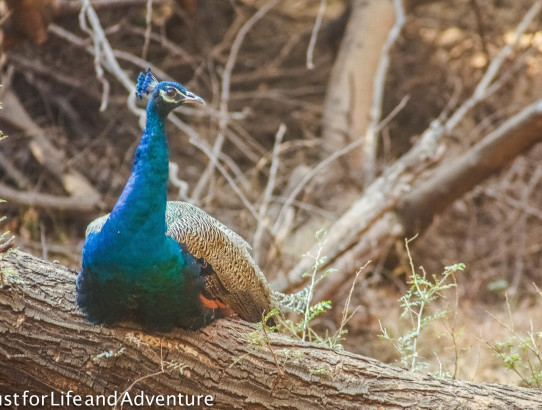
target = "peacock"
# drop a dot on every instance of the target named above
(167, 264)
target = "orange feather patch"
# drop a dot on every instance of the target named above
(213, 303)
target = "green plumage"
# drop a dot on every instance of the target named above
(236, 280)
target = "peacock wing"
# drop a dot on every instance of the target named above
(236, 279)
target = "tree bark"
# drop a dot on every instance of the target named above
(350, 89)
(46, 346)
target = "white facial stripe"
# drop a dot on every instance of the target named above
(163, 93)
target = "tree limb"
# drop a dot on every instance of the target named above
(71, 205)
(47, 346)
(451, 181)
(348, 103)
(359, 234)
(73, 182)
(399, 204)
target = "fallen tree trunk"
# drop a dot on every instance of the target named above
(46, 346)
(409, 193)
(399, 204)
(451, 181)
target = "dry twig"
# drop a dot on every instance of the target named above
(314, 34)
(148, 30)
(262, 219)
(223, 118)
(370, 140)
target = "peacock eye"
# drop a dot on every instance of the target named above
(171, 92)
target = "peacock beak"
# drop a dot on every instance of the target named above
(192, 98)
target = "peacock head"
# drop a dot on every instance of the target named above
(164, 95)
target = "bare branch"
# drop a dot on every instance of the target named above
(370, 140)
(451, 181)
(70, 6)
(314, 34)
(148, 30)
(85, 9)
(103, 54)
(256, 244)
(70, 205)
(483, 90)
(196, 141)
(223, 118)
(325, 163)
(45, 152)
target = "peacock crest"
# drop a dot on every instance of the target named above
(146, 83)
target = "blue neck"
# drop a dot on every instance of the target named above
(131, 268)
(140, 210)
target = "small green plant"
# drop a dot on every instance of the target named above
(258, 336)
(176, 366)
(312, 311)
(414, 303)
(521, 353)
(302, 329)
(10, 277)
(321, 371)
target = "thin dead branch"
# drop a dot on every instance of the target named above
(262, 211)
(98, 39)
(75, 205)
(370, 140)
(314, 34)
(45, 152)
(223, 118)
(148, 30)
(485, 88)
(326, 162)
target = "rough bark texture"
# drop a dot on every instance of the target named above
(47, 346)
